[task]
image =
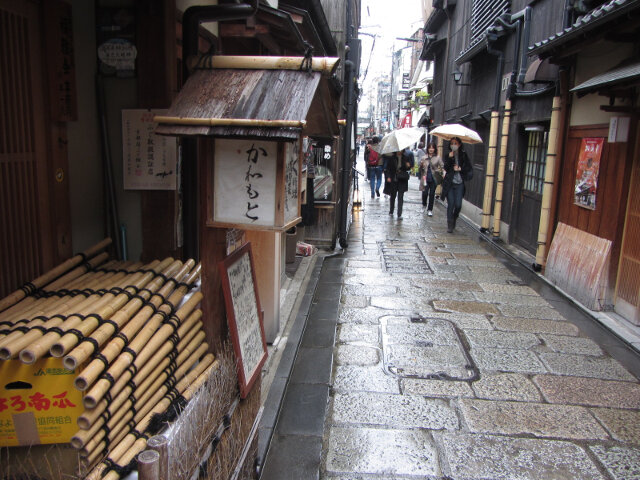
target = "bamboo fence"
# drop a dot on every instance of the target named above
(133, 333)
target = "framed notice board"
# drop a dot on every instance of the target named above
(244, 315)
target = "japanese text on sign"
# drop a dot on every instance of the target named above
(150, 160)
(37, 401)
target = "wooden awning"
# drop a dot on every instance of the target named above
(248, 102)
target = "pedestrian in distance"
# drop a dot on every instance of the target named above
(458, 169)
(367, 151)
(430, 169)
(397, 171)
(374, 168)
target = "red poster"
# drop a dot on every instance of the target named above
(587, 172)
(406, 121)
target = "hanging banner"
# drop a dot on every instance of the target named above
(587, 172)
(406, 121)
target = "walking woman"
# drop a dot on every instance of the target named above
(397, 168)
(458, 169)
(374, 168)
(430, 167)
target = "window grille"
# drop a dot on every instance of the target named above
(535, 161)
(483, 14)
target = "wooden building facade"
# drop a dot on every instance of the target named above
(560, 81)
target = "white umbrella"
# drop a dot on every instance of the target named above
(398, 140)
(451, 130)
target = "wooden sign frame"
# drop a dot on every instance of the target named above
(244, 316)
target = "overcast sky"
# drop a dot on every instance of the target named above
(387, 19)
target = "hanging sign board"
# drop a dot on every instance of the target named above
(150, 160)
(244, 316)
(587, 172)
(256, 184)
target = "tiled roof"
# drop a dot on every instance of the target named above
(598, 16)
(626, 73)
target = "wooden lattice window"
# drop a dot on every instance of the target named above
(535, 161)
(483, 14)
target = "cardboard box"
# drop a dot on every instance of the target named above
(38, 403)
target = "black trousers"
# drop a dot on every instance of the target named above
(429, 193)
(392, 201)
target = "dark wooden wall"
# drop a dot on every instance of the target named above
(607, 220)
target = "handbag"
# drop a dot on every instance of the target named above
(437, 177)
(402, 175)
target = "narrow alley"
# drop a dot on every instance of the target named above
(447, 359)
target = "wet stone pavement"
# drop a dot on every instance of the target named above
(449, 364)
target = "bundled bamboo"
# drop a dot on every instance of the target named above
(103, 308)
(150, 316)
(47, 295)
(25, 335)
(86, 348)
(122, 316)
(142, 381)
(144, 338)
(135, 442)
(31, 287)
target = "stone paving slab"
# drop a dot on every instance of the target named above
(435, 332)
(435, 388)
(360, 315)
(519, 324)
(350, 332)
(623, 425)
(398, 304)
(464, 320)
(588, 391)
(487, 277)
(357, 355)
(370, 290)
(351, 378)
(422, 296)
(487, 457)
(499, 339)
(622, 463)
(584, 366)
(385, 452)
(393, 411)
(379, 279)
(548, 313)
(538, 419)
(506, 386)
(426, 361)
(576, 345)
(507, 360)
(361, 263)
(485, 261)
(354, 301)
(508, 289)
(465, 307)
(428, 283)
(511, 299)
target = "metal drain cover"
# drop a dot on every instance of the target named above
(403, 257)
(429, 348)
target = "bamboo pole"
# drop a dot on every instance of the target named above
(229, 122)
(489, 172)
(47, 307)
(105, 307)
(30, 287)
(102, 386)
(32, 301)
(16, 341)
(145, 317)
(504, 142)
(86, 348)
(124, 452)
(318, 64)
(547, 189)
(122, 316)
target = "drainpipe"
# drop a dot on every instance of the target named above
(349, 80)
(526, 32)
(191, 20)
(493, 140)
(547, 190)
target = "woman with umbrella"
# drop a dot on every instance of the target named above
(397, 174)
(457, 167)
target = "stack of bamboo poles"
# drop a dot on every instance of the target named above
(132, 330)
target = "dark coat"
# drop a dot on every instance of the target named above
(449, 163)
(391, 170)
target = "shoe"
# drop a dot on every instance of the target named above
(429, 213)
(390, 213)
(377, 192)
(449, 226)
(399, 217)
(371, 196)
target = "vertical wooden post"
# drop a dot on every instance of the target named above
(160, 444)
(490, 171)
(148, 465)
